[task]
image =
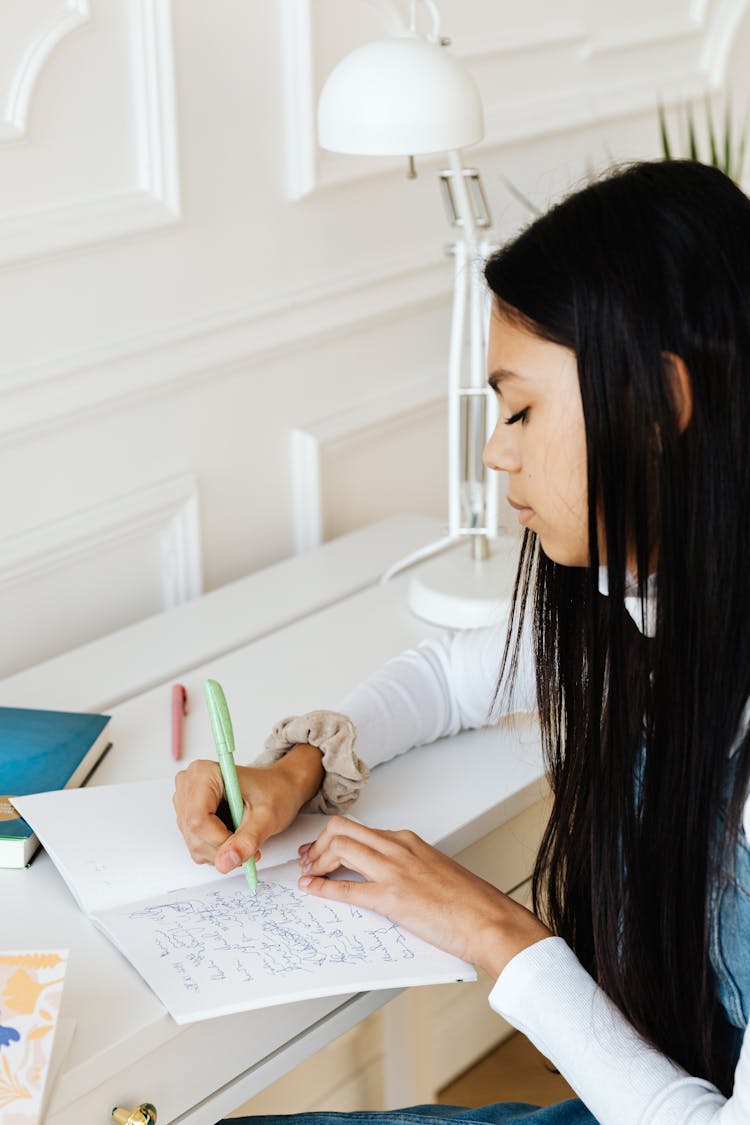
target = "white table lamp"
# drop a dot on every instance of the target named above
(399, 97)
(406, 96)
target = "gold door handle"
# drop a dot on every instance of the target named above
(145, 1114)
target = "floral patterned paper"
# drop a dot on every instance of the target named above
(31, 986)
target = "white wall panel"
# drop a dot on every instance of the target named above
(97, 570)
(336, 460)
(32, 29)
(99, 154)
(168, 310)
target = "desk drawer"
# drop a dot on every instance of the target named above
(220, 1062)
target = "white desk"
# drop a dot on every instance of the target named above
(126, 1049)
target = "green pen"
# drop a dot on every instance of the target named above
(221, 728)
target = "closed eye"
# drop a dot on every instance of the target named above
(519, 417)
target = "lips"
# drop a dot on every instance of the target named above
(525, 514)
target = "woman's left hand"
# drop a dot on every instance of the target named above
(419, 888)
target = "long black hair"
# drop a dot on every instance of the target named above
(650, 261)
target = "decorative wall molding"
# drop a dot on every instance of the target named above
(532, 119)
(71, 14)
(156, 103)
(170, 507)
(494, 44)
(50, 230)
(98, 380)
(155, 202)
(718, 42)
(705, 32)
(298, 93)
(310, 445)
(652, 33)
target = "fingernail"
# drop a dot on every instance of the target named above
(305, 882)
(307, 866)
(229, 860)
(304, 849)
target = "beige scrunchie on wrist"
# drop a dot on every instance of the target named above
(335, 735)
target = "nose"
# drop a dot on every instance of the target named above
(501, 451)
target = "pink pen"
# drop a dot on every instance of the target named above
(179, 709)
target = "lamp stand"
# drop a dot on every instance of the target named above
(461, 592)
(453, 590)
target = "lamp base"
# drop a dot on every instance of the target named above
(459, 592)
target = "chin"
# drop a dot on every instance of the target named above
(564, 556)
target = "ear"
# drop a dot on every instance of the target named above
(680, 387)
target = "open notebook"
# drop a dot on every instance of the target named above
(203, 943)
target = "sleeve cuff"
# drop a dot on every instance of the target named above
(545, 992)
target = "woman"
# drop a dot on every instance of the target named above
(620, 354)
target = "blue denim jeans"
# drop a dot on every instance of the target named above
(730, 930)
(572, 1112)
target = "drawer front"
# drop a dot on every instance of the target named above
(208, 1068)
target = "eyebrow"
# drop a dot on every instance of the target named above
(501, 375)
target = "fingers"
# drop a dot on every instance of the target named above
(198, 792)
(257, 824)
(234, 853)
(381, 858)
(343, 890)
(271, 802)
(343, 851)
(379, 840)
(244, 843)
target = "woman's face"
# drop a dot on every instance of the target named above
(540, 440)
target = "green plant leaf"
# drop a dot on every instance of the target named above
(590, 170)
(518, 194)
(740, 168)
(712, 136)
(728, 148)
(666, 150)
(692, 141)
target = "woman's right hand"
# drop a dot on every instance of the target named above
(273, 795)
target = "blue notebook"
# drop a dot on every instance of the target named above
(40, 751)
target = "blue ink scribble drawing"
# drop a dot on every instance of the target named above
(159, 910)
(229, 936)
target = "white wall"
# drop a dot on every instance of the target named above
(185, 279)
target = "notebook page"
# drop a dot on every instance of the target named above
(214, 949)
(116, 843)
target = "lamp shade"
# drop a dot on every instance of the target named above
(399, 97)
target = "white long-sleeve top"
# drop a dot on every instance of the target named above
(448, 685)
